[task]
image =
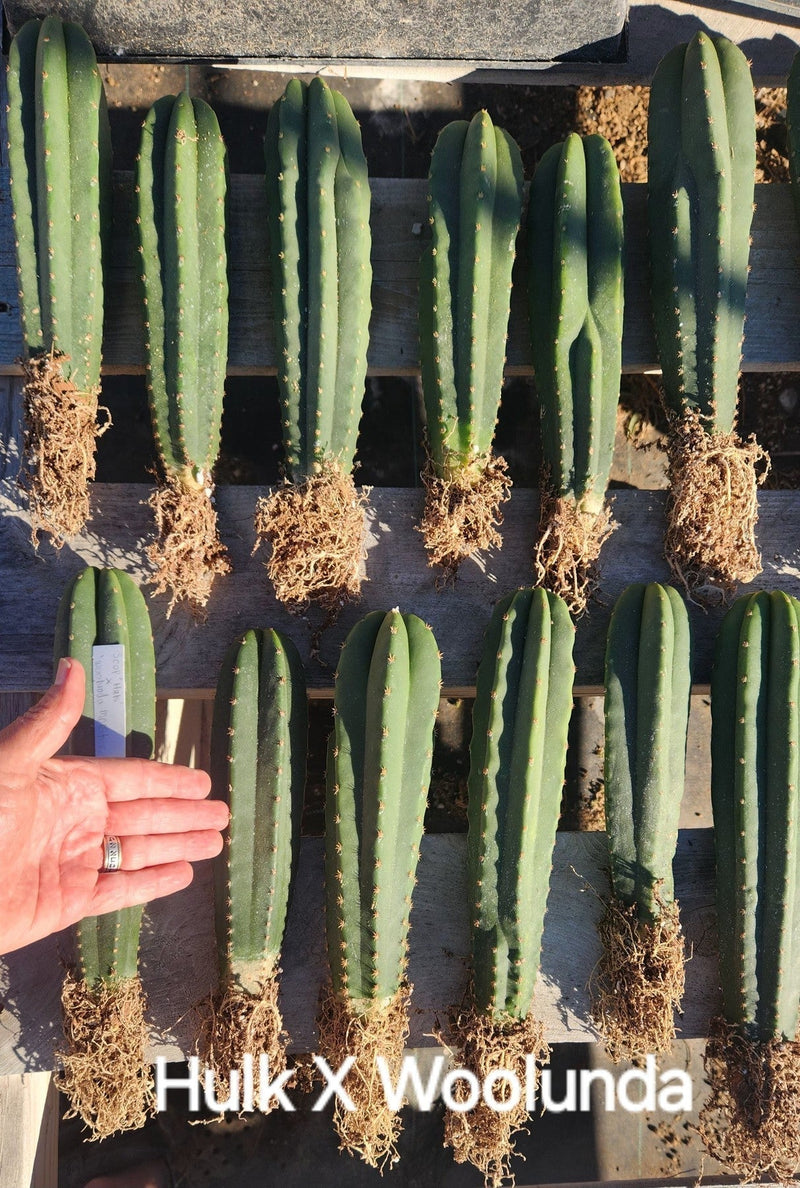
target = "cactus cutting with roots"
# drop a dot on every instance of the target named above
(181, 183)
(575, 239)
(475, 204)
(639, 982)
(105, 1072)
(751, 1122)
(258, 762)
(700, 207)
(379, 764)
(59, 155)
(318, 202)
(518, 754)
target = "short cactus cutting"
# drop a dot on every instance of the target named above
(105, 1074)
(379, 762)
(700, 207)
(318, 201)
(181, 183)
(518, 754)
(640, 979)
(258, 765)
(59, 155)
(475, 203)
(751, 1122)
(576, 300)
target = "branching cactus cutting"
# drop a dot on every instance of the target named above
(700, 207)
(475, 203)
(639, 982)
(575, 238)
(59, 154)
(379, 763)
(258, 762)
(105, 1071)
(753, 1053)
(518, 754)
(318, 201)
(181, 183)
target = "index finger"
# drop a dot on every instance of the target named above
(138, 779)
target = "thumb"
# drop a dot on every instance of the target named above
(44, 729)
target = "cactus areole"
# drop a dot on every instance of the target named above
(59, 155)
(318, 205)
(474, 208)
(700, 206)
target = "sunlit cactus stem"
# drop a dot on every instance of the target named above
(59, 155)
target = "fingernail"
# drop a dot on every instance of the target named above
(64, 666)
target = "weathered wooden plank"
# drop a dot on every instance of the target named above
(772, 341)
(178, 956)
(188, 654)
(28, 1130)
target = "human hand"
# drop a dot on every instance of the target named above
(54, 813)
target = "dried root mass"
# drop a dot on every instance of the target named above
(105, 1074)
(241, 1023)
(712, 508)
(751, 1121)
(639, 982)
(58, 462)
(462, 511)
(570, 540)
(187, 553)
(484, 1136)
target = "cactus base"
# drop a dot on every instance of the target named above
(751, 1121)
(241, 1022)
(462, 510)
(639, 982)
(105, 1073)
(187, 553)
(59, 452)
(571, 536)
(372, 1129)
(482, 1136)
(316, 530)
(712, 508)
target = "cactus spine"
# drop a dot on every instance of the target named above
(105, 606)
(700, 208)
(60, 171)
(379, 760)
(647, 686)
(181, 183)
(475, 203)
(575, 236)
(318, 202)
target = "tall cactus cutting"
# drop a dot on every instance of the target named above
(318, 201)
(258, 763)
(475, 203)
(753, 1055)
(647, 686)
(379, 762)
(105, 1073)
(518, 754)
(575, 238)
(181, 183)
(59, 155)
(700, 207)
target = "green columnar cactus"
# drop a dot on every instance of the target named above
(700, 207)
(648, 683)
(104, 1007)
(475, 204)
(318, 202)
(575, 237)
(379, 761)
(181, 183)
(59, 154)
(754, 1056)
(518, 754)
(258, 763)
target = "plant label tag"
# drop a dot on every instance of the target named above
(108, 687)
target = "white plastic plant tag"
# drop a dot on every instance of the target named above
(108, 686)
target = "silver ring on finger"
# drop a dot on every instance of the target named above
(112, 853)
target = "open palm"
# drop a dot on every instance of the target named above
(54, 813)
